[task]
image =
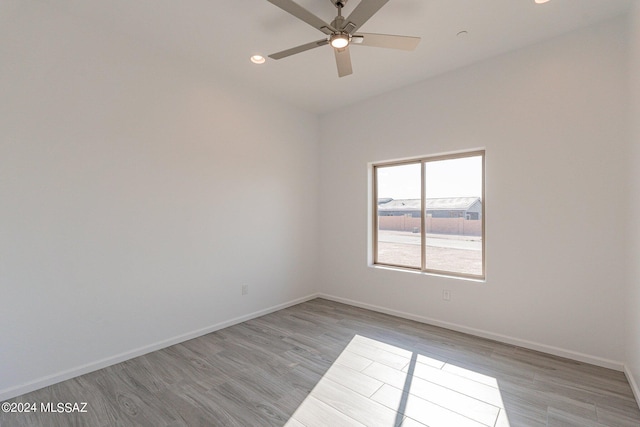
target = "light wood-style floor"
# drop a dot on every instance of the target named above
(327, 364)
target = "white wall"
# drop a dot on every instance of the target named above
(137, 195)
(552, 120)
(129, 183)
(633, 300)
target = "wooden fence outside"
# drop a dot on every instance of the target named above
(457, 226)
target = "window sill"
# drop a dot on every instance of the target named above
(427, 273)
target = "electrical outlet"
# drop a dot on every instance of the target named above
(245, 289)
(446, 295)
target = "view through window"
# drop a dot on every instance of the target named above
(429, 214)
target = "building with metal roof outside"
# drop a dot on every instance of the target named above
(450, 207)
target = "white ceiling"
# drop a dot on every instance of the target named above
(223, 35)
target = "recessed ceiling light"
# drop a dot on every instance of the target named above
(541, 1)
(258, 59)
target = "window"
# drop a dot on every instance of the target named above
(428, 214)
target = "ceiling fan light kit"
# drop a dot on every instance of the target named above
(339, 40)
(342, 31)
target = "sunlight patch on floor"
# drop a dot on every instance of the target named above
(373, 383)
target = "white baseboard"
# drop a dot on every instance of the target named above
(12, 392)
(556, 351)
(633, 383)
(18, 390)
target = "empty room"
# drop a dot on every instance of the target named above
(320, 213)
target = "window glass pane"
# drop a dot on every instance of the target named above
(453, 220)
(399, 206)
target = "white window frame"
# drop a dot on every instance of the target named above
(423, 161)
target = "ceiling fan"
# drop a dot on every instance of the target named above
(342, 31)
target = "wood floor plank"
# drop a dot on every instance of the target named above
(453, 401)
(353, 360)
(483, 392)
(353, 380)
(559, 418)
(333, 364)
(410, 422)
(386, 374)
(613, 417)
(367, 411)
(245, 407)
(422, 410)
(544, 401)
(471, 375)
(379, 355)
(501, 370)
(293, 422)
(315, 413)
(522, 410)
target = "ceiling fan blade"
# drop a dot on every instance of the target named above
(361, 14)
(343, 61)
(303, 14)
(298, 49)
(386, 40)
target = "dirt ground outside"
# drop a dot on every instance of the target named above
(404, 249)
